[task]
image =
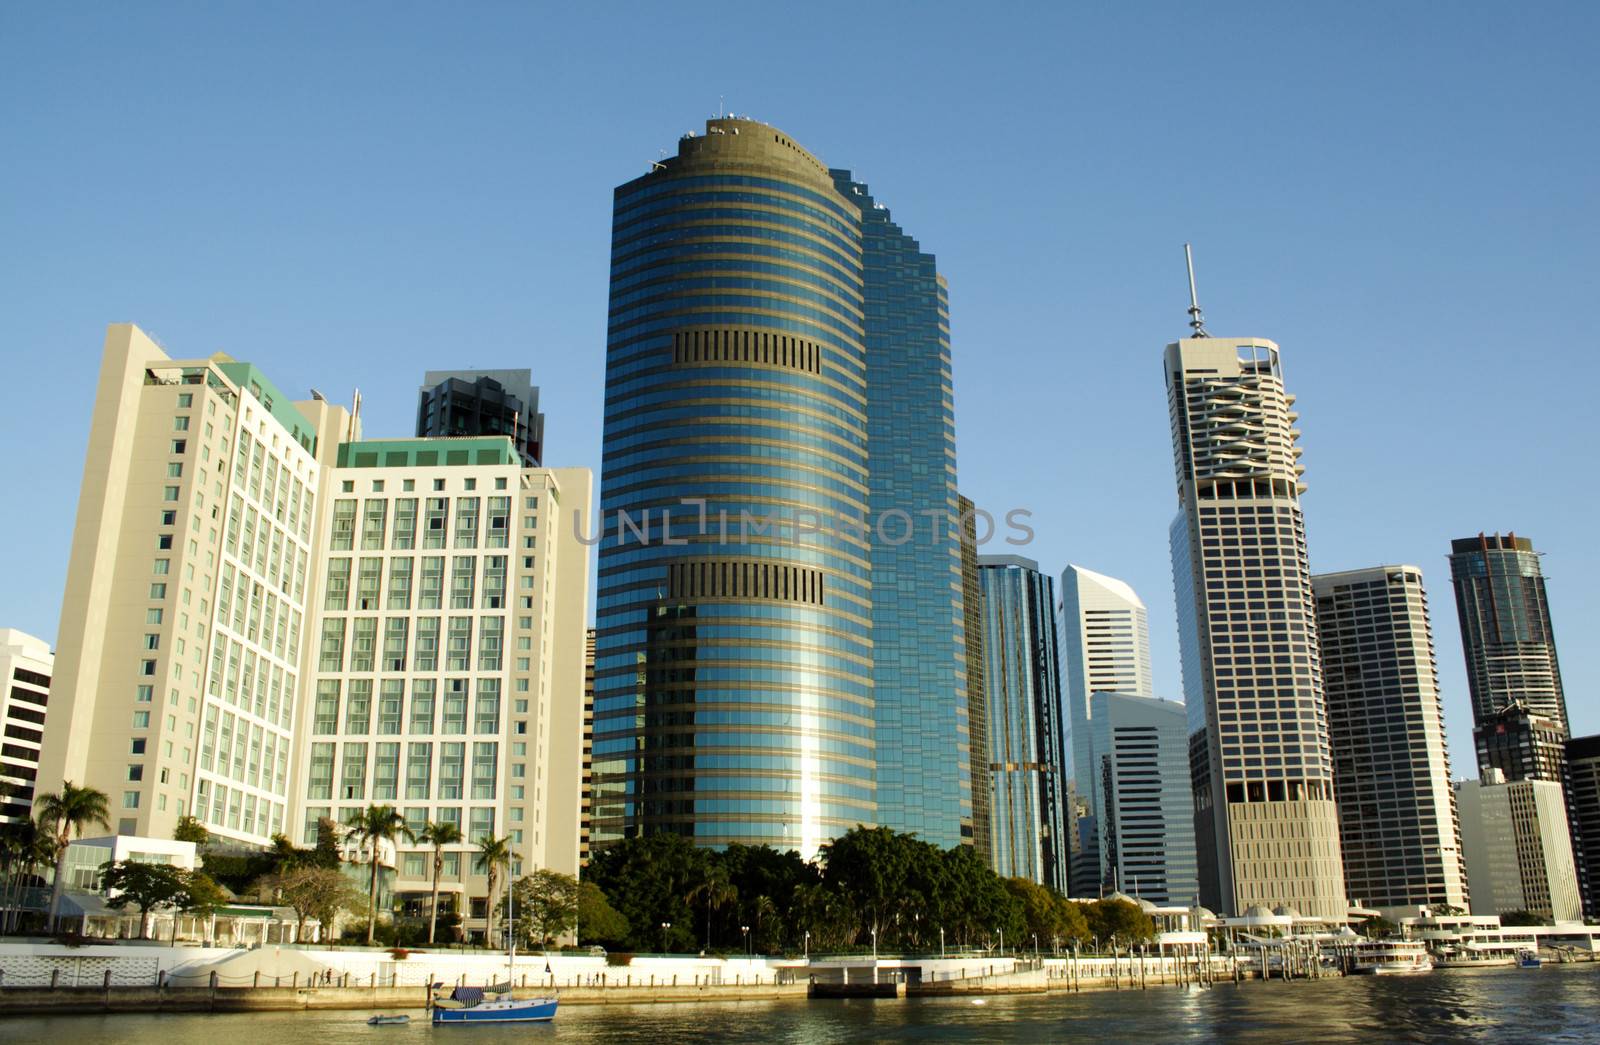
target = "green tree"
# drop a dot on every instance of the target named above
(370, 827)
(545, 905)
(63, 814)
(714, 890)
(647, 880)
(1072, 925)
(870, 864)
(322, 893)
(598, 921)
(24, 847)
(493, 854)
(1119, 918)
(437, 835)
(201, 898)
(148, 887)
(1377, 927)
(190, 829)
(1520, 918)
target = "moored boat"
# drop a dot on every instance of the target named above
(1391, 958)
(1529, 959)
(475, 1005)
(388, 1020)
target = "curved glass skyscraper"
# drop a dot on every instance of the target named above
(733, 686)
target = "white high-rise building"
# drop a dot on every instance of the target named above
(26, 665)
(1518, 848)
(184, 621)
(448, 679)
(1266, 826)
(1105, 648)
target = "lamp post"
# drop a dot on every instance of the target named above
(1002, 933)
(1035, 946)
(664, 927)
(941, 941)
(807, 946)
(746, 930)
(874, 943)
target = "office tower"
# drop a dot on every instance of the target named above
(1583, 807)
(187, 601)
(1505, 628)
(483, 402)
(587, 806)
(448, 676)
(1515, 838)
(26, 665)
(1139, 748)
(1105, 647)
(1398, 828)
(1266, 827)
(1522, 744)
(977, 703)
(919, 677)
(1021, 691)
(737, 636)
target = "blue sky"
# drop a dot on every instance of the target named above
(1403, 196)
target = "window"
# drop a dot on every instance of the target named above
(400, 583)
(391, 702)
(394, 644)
(386, 772)
(332, 651)
(358, 706)
(353, 779)
(467, 522)
(462, 573)
(452, 763)
(180, 445)
(430, 595)
(130, 800)
(169, 493)
(153, 615)
(470, 484)
(426, 657)
(325, 719)
(422, 693)
(145, 694)
(135, 773)
(185, 399)
(337, 591)
(169, 518)
(147, 668)
(434, 513)
(486, 712)
(320, 776)
(152, 642)
(483, 770)
(163, 567)
(136, 746)
(482, 824)
(454, 718)
(164, 542)
(180, 423)
(419, 758)
(175, 470)
(494, 582)
(344, 525)
(367, 583)
(490, 640)
(158, 591)
(373, 520)
(405, 522)
(458, 645)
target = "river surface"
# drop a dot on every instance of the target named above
(1553, 1004)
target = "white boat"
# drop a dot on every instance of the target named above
(1391, 958)
(1529, 959)
(387, 1020)
(494, 1004)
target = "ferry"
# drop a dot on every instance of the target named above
(1391, 958)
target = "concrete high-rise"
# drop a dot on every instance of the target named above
(186, 616)
(1398, 828)
(26, 665)
(919, 672)
(1266, 825)
(1139, 748)
(448, 679)
(1105, 648)
(1023, 702)
(778, 442)
(1506, 633)
(483, 402)
(1518, 853)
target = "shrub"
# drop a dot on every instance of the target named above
(619, 958)
(399, 954)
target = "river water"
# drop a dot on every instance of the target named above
(1553, 1004)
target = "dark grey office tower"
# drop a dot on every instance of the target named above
(1583, 810)
(483, 402)
(977, 704)
(1505, 627)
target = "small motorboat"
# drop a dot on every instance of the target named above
(388, 1020)
(1529, 959)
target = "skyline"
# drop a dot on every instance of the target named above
(279, 258)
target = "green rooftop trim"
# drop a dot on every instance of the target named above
(250, 378)
(431, 452)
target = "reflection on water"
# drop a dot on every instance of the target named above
(1553, 1004)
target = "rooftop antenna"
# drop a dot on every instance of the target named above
(1197, 321)
(721, 108)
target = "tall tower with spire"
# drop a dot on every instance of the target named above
(1266, 827)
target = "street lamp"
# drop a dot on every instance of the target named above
(1035, 946)
(664, 927)
(1002, 933)
(941, 941)
(746, 930)
(807, 946)
(874, 943)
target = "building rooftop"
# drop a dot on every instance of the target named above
(429, 452)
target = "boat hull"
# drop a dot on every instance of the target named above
(536, 1010)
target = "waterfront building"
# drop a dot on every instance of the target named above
(1021, 679)
(977, 702)
(1398, 828)
(483, 402)
(1583, 807)
(733, 662)
(1105, 648)
(919, 673)
(1266, 826)
(26, 665)
(1506, 633)
(1517, 845)
(448, 675)
(184, 620)
(1139, 748)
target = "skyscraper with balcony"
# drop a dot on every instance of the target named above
(734, 649)
(1399, 833)
(1105, 648)
(1266, 826)
(1023, 701)
(26, 664)
(919, 672)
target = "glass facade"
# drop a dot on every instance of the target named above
(918, 626)
(733, 664)
(1022, 697)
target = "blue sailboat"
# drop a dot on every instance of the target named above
(495, 1004)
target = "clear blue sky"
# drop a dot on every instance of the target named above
(348, 194)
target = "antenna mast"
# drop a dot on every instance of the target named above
(1197, 322)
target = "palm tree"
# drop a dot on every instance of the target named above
(493, 854)
(23, 847)
(438, 834)
(369, 827)
(62, 815)
(716, 891)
